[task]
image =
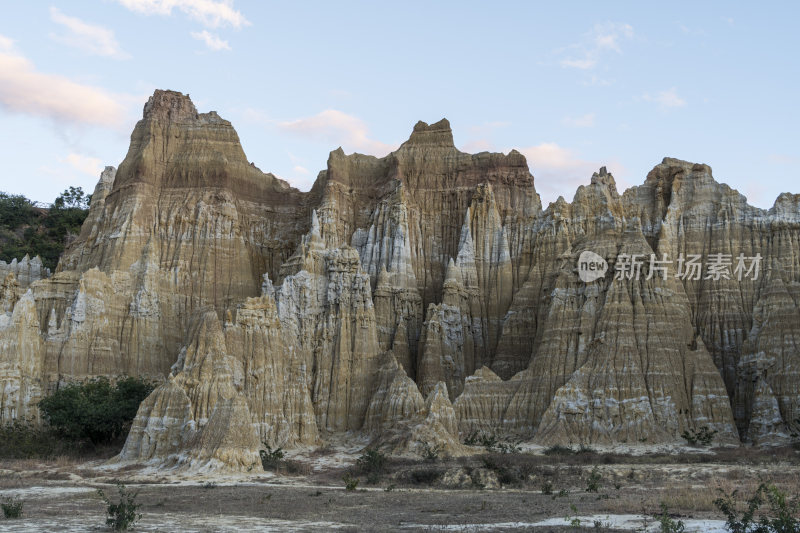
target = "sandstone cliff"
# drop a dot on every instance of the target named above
(408, 299)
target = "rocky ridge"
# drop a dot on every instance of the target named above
(404, 300)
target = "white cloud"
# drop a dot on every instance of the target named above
(25, 90)
(478, 145)
(583, 64)
(301, 170)
(210, 13)
(213, 42)
(338, 128)
(87, 165)
(665, 99)
(559, 171)
(583, 121)
(600, 39)
(6, 44)
(95, 40)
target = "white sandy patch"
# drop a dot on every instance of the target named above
(176, 522)
(634, 522)
(35, 492)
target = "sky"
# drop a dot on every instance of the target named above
(572, 85)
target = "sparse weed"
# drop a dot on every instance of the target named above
(350, 482)
(372, 463)
(121, 516)
(593, 483)
(782, 512)
(667, 523)
(547, 488)
(574, 521)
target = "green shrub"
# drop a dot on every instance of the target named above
(667, 523)
(371, 461)
(430, 453)
(547, 488)
(12, 507)
(425, 476)
(26, 229)
(25, 439)
(270, 459)
(491, 441)
(122, 515)
(95, 410)
(557, 449)
(702, 436)
(350, 482)
(782, 512)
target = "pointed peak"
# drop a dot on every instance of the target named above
(604, 177)
(437, 134)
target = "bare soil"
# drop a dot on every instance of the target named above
(484, 492)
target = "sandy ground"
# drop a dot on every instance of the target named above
(486, 492)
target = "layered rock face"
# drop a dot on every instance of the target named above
(408, 299)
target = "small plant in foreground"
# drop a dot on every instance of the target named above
(702, 436)
(668, 524)
(782, 512)
(593, 483)
(271, 459)
(574, 521)
(12, 507)
(121, 516)
(350, 482)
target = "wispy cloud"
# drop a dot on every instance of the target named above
(91, 166)
(601, 39)
(583, 121)
(560, 171)
(783, 159)
(301, 170)
(23, 89)
(213, 42)
(668, 99)
(338, 128)
(95, 40)
(477, 145)
(210, 13)
(6, 44)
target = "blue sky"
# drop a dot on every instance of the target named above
(572, 85)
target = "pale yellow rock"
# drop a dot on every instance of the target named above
(416, 296)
